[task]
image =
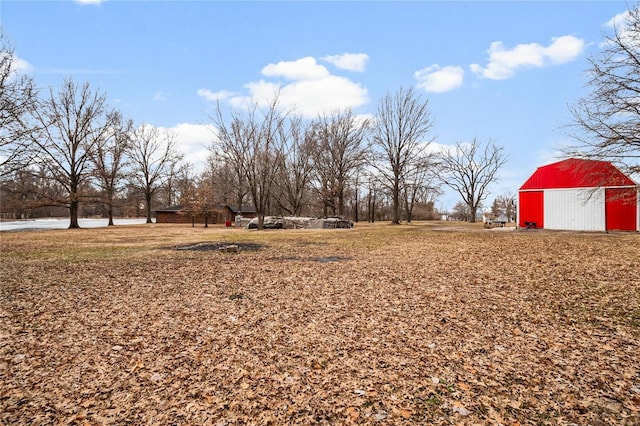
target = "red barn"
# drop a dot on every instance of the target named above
(582, 195)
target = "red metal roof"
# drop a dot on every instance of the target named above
(577, 173)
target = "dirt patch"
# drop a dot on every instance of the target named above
(221, 246)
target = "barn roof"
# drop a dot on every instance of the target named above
(577, 173)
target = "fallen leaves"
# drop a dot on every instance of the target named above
(427, 328)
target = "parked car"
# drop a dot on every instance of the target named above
(338, 222)
(270, 222)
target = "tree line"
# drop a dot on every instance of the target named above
(67, 150)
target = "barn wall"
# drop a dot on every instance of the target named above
(531, 208)
(621, 209)
(574, 209)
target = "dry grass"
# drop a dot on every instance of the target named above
(379, 324)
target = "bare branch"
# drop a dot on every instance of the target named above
(469, 169)
(72, 122)
(606, 124)
(152, 154)
(399, 133)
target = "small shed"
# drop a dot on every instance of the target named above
(171, 214)
(174, 214)
(232, 212)
(582, 195)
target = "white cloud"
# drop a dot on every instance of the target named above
(261, 92)
(89, 1)
(618, 20)
(438, 79)
(301, 69)
(564, 49)
(18, 65)
(160, 96)
(621, 24)
(21, 66)
(303, 85)
(214, 96)
(328, 94)
(306, 97)
(349, 61)
(438, 148)
(504, 62)
(193, 140)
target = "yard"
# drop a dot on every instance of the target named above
(420, 324)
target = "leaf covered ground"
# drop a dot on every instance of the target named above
(375, 325)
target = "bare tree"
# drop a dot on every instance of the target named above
(72, 122)
(469, 169)
(110, 160)
(153, 156)
(19, 194)
(374, 191)
(420, 184)
(461, 211)
(296, 169)
(606, 124)
(357, 183)
(231, 184)
(505, 204)
(18, 98)
(254, 144)
(179, 179)
(399, 133)
(340, 151)
(199, 201)
(185, 179)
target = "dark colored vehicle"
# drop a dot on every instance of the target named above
(338, 222)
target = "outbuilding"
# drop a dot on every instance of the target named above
(222, 214)
(581, 195)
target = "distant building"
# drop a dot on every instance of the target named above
(492, 219)
(487, 217)
(175, 214)
(582, 195)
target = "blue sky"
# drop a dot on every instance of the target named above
(501, 70)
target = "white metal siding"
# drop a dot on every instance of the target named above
(638, 211)
(574, 209)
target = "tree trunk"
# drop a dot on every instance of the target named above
(409, 208)
(474, 211)
(239, 202)
(109, 206)
(110, 214)
(396, 204)
(356, 212)
(373, 208)
(73, 205)
(73, 213)
(148, 200)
